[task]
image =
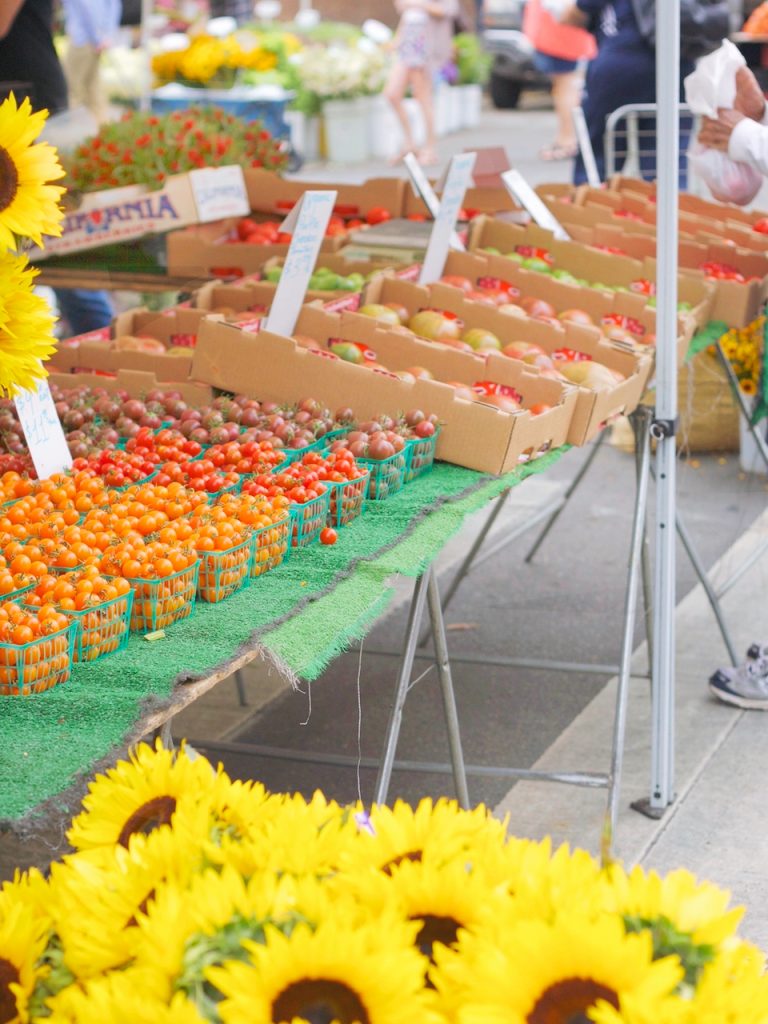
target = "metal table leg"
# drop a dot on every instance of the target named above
(446, 686)
(415, 614)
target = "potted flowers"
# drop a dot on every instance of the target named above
(344, 78)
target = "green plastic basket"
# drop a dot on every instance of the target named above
(160, 603)
(270, 545)
(103, 629)
(347, 499)
(309, 519)
(422, 455)
(388, 476)
(37, 666)
(223, 573)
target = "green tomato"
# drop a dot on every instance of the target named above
(539, 265)
(273, 274)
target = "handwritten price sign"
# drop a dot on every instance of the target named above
(42, 430)
(307, 222)
(456, 182)
(421, 184)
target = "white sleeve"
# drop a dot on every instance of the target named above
(749, 144)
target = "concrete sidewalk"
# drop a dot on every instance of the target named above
(717, 826)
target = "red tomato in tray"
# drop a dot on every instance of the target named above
(378, 214)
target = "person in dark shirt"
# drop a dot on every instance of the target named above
(27, 53)
(624, 72)
(28, 59)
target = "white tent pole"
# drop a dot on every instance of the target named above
(664, 426)
(147, 9)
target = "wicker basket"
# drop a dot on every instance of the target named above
(709, 415)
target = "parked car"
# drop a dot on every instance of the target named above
(503, 38)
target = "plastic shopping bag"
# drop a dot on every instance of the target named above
(713, 85)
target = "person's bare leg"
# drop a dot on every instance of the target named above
(566, 96)
(394, 93)
(421, 86)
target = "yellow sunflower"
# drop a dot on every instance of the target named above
(98, 896)
(186, 931)
(23, 937)
(441, 829)
(537, 973)
(125, 997)
(352, 974)
(28, 205)
(294, 837)
(26, 327)
(685, 917)
(441, 898)
(140, 795)
(733, 989)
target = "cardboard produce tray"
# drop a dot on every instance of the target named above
(589, 263)
(474, 434)
(593, 408)
(270, 193)
(176, 328)
(136, 383)
(566, 296)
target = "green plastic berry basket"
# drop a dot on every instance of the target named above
(422, 455)
(347, 499)
(161, 602)
(223, 573)
(388, 476)
(309, 519)
(37, 666)
(102, 629)
(270, 545)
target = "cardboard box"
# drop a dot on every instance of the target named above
(564, 296)
(136, 383)
(269, 193)
(475, 435)
(175, 328)
(590, 264)
(593, 408)
(213, 250)
(121, 214)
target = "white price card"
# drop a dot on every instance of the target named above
(456, 182)
(43, 431)
(220, 192)
(307, 222)
(423, 187)
(540, 213)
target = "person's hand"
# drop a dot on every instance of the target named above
(750, 100)
(716, 134)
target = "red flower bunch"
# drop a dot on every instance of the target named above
(145, 148)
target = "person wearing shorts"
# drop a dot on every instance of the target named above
(559, 51)
(422, 46)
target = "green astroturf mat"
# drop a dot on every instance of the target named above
(303, 613)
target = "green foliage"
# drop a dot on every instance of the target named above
(473, 62)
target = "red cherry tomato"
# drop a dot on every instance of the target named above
(328, 535)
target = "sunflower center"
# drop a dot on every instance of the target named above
(414, 856)
(567, 1001)
(320, 1001)
(151, 815)
(9, 975)
(9, 179)
(436, 929)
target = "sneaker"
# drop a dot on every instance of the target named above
(745, 686)
(755, 652)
